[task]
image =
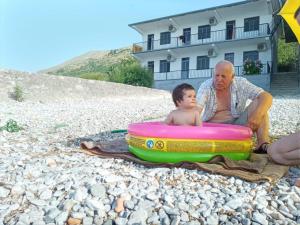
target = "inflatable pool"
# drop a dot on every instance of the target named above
(158, 142)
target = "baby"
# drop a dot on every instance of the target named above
(184, 98)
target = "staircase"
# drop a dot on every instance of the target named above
(285, 83)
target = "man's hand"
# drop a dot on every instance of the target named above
(256, 116)
(254, 121)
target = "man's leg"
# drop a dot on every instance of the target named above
(262, 133)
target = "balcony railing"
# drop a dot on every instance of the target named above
(237, 33)
(206, 73)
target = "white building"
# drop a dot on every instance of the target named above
(185, 47)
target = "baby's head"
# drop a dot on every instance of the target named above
(184, 95)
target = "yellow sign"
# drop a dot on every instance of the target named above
(189, 145)
(291, 13)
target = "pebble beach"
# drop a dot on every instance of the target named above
(45, 179)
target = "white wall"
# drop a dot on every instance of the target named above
(237, 50)
(232, 14)
(237, 13)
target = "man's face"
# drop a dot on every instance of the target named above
(223, 76)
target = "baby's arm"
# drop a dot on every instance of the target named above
(199, 108)
(198, 121)
(169, 119)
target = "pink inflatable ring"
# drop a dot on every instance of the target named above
(209, 131)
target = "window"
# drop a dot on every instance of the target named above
(151, 66)
(202, 62)
(251, 55)
(229, 57)
(204, 32)
(164, 66)
(165, 38)
(251, 24)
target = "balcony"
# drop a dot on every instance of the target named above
(237, 33)
(206, 73)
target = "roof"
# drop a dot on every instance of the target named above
(196, 11)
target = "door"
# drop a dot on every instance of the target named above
(151, 66)
(150, 42)
(185, 67)
(230, 30)
(186, 36)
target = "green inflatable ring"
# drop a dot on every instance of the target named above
(175, 157)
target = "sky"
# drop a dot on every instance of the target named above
(38, 34)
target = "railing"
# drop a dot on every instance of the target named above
(266, 69)
(237, 33)
(206, 73)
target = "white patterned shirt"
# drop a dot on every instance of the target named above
(241, 90)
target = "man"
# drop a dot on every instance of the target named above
(224, 98)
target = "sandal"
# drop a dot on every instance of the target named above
(262, 149)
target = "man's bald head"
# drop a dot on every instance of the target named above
(227, 65)
(224, 74)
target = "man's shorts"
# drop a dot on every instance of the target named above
(241, 120)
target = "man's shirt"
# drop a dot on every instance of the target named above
(241, 90)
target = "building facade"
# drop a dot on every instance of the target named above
(186, 47)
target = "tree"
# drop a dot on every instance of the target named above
(129, 71)
(287, 55)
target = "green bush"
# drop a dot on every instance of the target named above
(94, 76)
(18, 93)
(287, 56)
(252, 67)
(129, 71)
(11, 126)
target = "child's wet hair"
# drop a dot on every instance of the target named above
(178, 92)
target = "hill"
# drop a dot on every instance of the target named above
(49, 88)
(91, 65)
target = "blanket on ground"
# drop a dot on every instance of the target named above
(258, 168)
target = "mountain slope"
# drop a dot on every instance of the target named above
(91, 64)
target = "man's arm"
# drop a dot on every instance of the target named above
(264, 103)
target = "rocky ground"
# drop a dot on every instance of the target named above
(45, 179)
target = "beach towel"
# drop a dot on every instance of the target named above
(259, 168)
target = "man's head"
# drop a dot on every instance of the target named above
(224, 74)
(184, 94)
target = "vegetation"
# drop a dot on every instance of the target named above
(11, 126)
(287, 56)
(93, 65)
(18, 93)
(94, 76)
(115, 66)
(60, 125)
(129, 71)
(252, 67)
(91, 70)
